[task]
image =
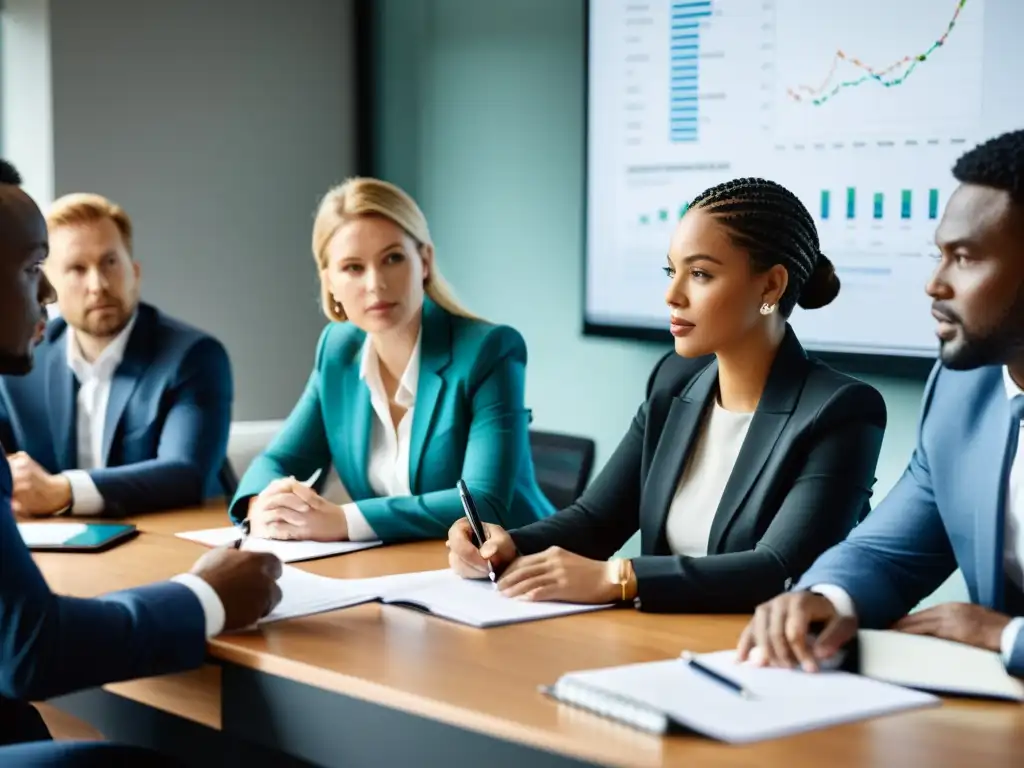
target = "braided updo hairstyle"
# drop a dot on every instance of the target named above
(772, 224)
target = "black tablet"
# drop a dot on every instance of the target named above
(74, 537)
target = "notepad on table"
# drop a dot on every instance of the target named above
(665, 695)
(933, 664)
(305, 594)
(466, 601)
(287, 551)
(440, 593)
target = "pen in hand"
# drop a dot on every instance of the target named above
(244, 525)
(476, 525)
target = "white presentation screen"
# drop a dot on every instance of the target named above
(860, 107)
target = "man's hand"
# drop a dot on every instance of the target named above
(37, 493)
(245, 582)
(961, 622)
(779, 632)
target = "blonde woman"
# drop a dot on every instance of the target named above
(409, 393)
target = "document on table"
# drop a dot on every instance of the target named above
(474, 602)
(287, 551)
(662, 695)
(441, 593)
(304, 594)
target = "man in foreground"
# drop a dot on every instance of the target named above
(51, 645)
(960, 502)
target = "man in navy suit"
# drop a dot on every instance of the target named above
(51, 645)
(960, 502)
(126, 409)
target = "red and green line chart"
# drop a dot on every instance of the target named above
(888, 76)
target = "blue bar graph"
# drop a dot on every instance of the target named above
(826, 199)
(684, 61)
(905, 204)
(879, 205)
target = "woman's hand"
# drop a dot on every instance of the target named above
(471, 563)
(558, 575)
(287, 509)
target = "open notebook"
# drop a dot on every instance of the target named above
(441, 593)
(932, 664)
(669, 695)
(286, 551)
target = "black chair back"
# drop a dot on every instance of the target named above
(562, 464)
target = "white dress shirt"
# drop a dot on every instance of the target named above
(1013, 539)
(703, 481)
(387, 465)
(94, 381)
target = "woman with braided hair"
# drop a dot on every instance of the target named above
(748, 458)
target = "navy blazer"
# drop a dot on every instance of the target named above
(946, 511)
(51, 645)
(167, 421)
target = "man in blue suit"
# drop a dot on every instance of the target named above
(126, 410)
(960, 502)
(51, 645)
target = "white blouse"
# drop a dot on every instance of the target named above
(388, 462)
(712, 458)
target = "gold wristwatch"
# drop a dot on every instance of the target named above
(620, 572)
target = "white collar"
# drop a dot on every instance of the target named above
(1012, 389)
(369, 371)
(107, 360)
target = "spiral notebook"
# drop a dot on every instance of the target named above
(665, 696)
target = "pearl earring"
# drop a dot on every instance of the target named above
(767, 309)
(337, 308)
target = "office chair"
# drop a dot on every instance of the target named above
(562, 464)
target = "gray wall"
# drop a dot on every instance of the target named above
(217, 124)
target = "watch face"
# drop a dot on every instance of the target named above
(613, 571)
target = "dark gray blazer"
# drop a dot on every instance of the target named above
(802, 480)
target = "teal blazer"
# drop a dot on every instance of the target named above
(469, 421)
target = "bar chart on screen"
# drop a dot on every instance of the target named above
(860, 107)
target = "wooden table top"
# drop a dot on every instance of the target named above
(487, 680)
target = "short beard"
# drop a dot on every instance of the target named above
(1004, 343)
(15, 365)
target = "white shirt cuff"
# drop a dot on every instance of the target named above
(839, 598)
(86, 499)
(1009, 638)
(213, 608)
(358, 528)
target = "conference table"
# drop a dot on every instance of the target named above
(381, 685)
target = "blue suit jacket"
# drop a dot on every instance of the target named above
(944, 512)
(469, 421)
(167, 422)
(51, 645)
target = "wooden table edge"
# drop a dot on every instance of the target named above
(433, 709)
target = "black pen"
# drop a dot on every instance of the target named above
(479, 532)
(244, 525)
(718, 677)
